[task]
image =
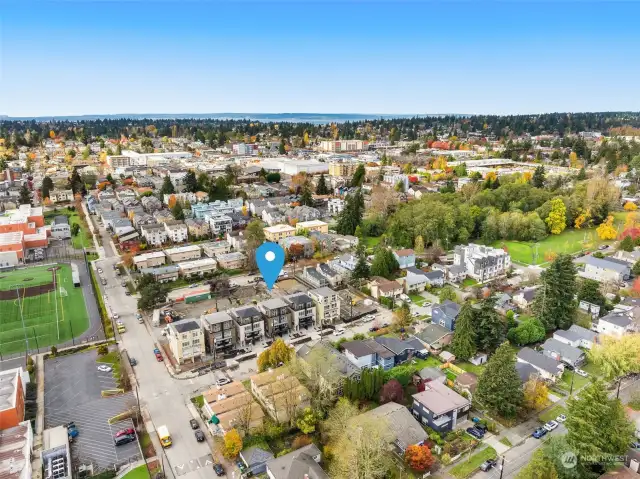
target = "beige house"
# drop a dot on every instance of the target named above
(186, 341)
(149, 260)
(183, 253)
(234, 407)
(277, 232)
(327, 305)
(235, 260)
(313, 225)
(197, 267)
(280, 393)
(197, 227)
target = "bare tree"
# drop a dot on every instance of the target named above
(383, 201)
(245, 415)
(290, 394)
(320, 372)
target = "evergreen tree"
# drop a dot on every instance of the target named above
(322, 188)
(361, 271)
(351, 216)
(219, 190)
(25, 195)
(626, 244)
(306, 197)
(177, 211)
(554, 304)
(384, 263)
(538, 177)
(282, 147)
(499, 386)
(190, 182)
(490, 327)
(597, 425)
(47, 186)
(589, 291)
(582, 175)
(636, 268)
(358, 176)
(77, 185)
(463, 344)
(167, 187)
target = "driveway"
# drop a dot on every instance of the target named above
(73, 388)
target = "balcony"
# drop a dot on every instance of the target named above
(441, 420)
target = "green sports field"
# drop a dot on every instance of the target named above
(49, 318)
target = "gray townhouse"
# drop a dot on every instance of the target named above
(276, 315)
(302, 311)
(439, 407)
(249, 325)
(220, 332)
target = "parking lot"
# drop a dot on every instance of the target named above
(73, 388)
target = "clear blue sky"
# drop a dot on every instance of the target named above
(96, 57)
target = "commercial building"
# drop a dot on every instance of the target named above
(16, 449)
(280, 393)
(277, 232)
(27, 220)
(149, 260)
(327, 305)
(12, 391)
(197, 267)
(186, 341)
(183, 253)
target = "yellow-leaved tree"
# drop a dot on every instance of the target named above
(606, 231)
(277, 354)
(536, 394)
(581, 219)
(617, 357)
(630, 206)
(232, 444)
(557, 219)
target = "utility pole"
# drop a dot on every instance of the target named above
(502, 467)
(572, 377)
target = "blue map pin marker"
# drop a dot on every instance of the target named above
(270, 259)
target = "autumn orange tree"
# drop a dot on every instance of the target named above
(419, 458)
(278, 353)
(630, 206)
(172, 201)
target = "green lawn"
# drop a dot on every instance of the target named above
(50, 318)
(569, 241)
(139, 472)
(468, 465)
(370, 242)
(506, 442)
(471, 368)
(578, 381)
(469, 282)
(416, 299)
(552, 413)
(430, 362)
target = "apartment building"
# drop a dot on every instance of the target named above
(327, 305)
(219, 224)
(335, 206)
(337, 146)
(149, 260)
(233, 260)
(249, 325)
(302, 311)
(186, 341)
(197, 228)
(277, 232)
(197, 267)
(183, 253)
(342, 168)
(154, 234)
(313, 225)
(220, 332)
(481, 262)
(276, 316)
(280, 393)
(176, 231)
(232, 406)
(163, 274)
(215, 248)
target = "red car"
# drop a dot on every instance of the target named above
(125, 432)
(159, 357)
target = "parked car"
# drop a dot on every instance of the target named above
(550, 426)
(488, 464)
(133, 361)
(635, 445)
(123, 432)
(116, 315)
(123, 284)
(199, 435)
(482, 426)
(339, 331)
(104, 368)
(218, 469)
(241, 465)
(477, 433)
(194, 424)
(422, 355)
(373, 329)
(159, 357)
(222, 381)
(122, 440)
(582, 373)
(561, 418)
(540, 432)
(127, 293)
(100, 270)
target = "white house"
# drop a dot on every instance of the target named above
(177, 231)
(482, 262)
(605, 269)
(576, 336)
(614, 324)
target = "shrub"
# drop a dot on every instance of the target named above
(283, 452)
(54, 350)
(300, 441)
(103, 349)
(446, 459)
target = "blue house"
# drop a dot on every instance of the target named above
(445, 314)
(406, 258)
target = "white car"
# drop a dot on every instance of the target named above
(561, 418)
(100, 270)
(551, 425)
(338, 331)
(582, 373)
(116, 315)
(223, 381)
(104, 369)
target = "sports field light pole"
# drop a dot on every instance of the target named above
(55, 299)
(24, 329)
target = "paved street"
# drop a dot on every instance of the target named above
(164, 397)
